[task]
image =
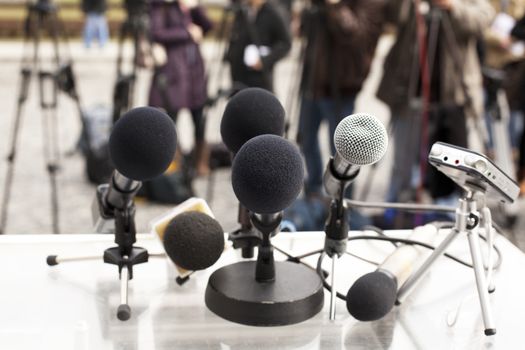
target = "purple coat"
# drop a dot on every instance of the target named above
(184, 70)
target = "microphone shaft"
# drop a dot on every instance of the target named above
(338, 174)
(121, 191)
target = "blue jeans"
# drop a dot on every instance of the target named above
(96, 26)
(313, 112)
(405, 167)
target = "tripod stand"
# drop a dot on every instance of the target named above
(135, 27)
(125, 255)
(40, 16)
(467, 222)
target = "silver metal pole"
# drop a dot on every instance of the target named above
(62, 259)
(462, 214)
(333, 293)
(124, 278)
(124, 311)
(481, 282)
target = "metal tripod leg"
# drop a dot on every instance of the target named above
(481, 282)
(333, 292)
(124, 311)
(53, 260)
(415, 277)
(24, 87)
(50, 138)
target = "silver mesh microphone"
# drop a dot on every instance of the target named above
(360, 139)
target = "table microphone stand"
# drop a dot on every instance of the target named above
(125, 255)
(265, 292)
(467, 221)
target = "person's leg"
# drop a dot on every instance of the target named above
(89, 29)
(405, 135)
(173, 115)
(310, 120)
(201, 151)
(102, 30)
(521, 162)
(334, 112)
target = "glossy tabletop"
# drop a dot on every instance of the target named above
(72, 306)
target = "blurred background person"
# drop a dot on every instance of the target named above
(341, 41)
(341, 38)
(96, 25)
(259, 38)
(518, 32)
(442, 86)
(500, 58)
(179, 26)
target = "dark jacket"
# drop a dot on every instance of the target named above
(271, 31)
(94, 6)
(184, 70)
(341, 41)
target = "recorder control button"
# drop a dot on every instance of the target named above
(436, 150)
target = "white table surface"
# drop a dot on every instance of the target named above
(72, 306)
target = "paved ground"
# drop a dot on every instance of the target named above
(95, 71)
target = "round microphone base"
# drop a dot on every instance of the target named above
(294, 296)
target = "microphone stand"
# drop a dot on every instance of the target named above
(122, 216)
(467, 222)
(265, 292)
(336, 230)
(337, 226)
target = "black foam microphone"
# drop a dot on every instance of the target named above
(249, 113)
(141, 145)
(194, 240)
(373, 295)
(267, 176)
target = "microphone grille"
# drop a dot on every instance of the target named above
(361, 139)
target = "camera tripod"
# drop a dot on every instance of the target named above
(41, 16)
(468, 219)
(135, 28)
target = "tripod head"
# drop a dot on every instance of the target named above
(42, 7)
(136, 10)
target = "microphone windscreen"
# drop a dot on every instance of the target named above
(361, 139)
(372, 296)
(142, 143)
(194, 240)
(267, 174)
(249, 113)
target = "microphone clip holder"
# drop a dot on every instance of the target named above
(245, 237)
(336, 229)
(268, 225)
